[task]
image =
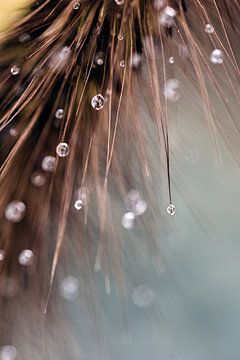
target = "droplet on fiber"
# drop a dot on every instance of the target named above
(167, 16)
(49, 163)
(209, 28)
(171, 60)
(122, 63)
(98, 102)
(171, 209)
(15, 70)
(62, 150)
(216, 56)
(15, 211)
(76, 6)
(119, 2)
(25, 257)
(69, 288)
(99, 58)
(78, 204)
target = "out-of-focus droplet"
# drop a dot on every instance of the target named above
(15, 70)
(69, 288)
(59, 113)
(8, 287)
(98, 102)
(134, 203)
(38, 179)
(167, 16)
(170, 91)
(216, 56)
(15, 211)
(8, 352)
(76, 6)
(183, 51)
(24, 38)
(171, 60)
(128, 220)
(140, 208)
(62, 150)
(78, 204)
(159, 4)
(136, 61)
(120, 37)
(122, 63)
(143, 296)
(209, 28)
(99, 58)
(2, 255)
(25, 257)
(119, 2)
(60, 58)
(49, 163)
(13, 132)
(171, 209)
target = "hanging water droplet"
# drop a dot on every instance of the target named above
(171, 209)
(170, 91)
(25, 257)
(69, 288)
(216, 56)
(128, 220)
(122, 63)
(119, 2)
(143, 296)
(15, 70)
(2, 255)
(49, 163)
(62, 150)
(76, 6)
(8, 352)
(99, 58)
(98, 102)
(38, 179)
(15, 211)
(59, 113)
(78, 204)
(209, 28)
(120, 36)
(171, 60)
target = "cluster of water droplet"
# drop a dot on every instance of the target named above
(136, 206)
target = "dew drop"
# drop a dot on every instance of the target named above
(15, 70)
(128, 220)
(69, 288)
(167, 16)
(171, 209)
(15, 211)
(62, 150)
(49, 163)
(99, 58)
(171, 60)
(59, 113)
(38, 179)
(216, 56)
(122, 63)
(209, 28)
(98, 102)
(120, 36)
(78, 204)
(25, 257)
(170, 91)
(119, 2)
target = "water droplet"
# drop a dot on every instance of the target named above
(143, 296)
(128, 220)
(134, 202)
(76, 6)
(38, 179)
(167, 16)
(24, 38)
(159, 4)
(25, 258)
(15, 211)
(140, 208)
(209, 28)
(171, 209)
(69, 288)
(99, 58)
(13, 132)
(120, 36)
(216, 56)
(49, 163)
(59, 114)
(2, 255)
(119, 2)
(78, 204)
(170, 91)
(98, 102)
(15, 70)
(171, 60)
(8, 352)
(62, 150)
(122, 63)
(136, 61)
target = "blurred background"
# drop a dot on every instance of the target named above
(186, 304)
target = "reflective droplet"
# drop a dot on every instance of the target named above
(38, 179)
(128, 220)
(171, 60)
(170, 91)
(69, 288)
(13, 132)
(98, 102)
(25, 258)
(24, 38)
(122, 63)
(15, 70)
(76, 6)
(216, 56)
(167, 16)
(2, 255)
(119, 2)
(134, 203)
(120, 37)
(140, 208)
(59, 113)
(99, 58)
(49, 163)
(136, 61)
(62, 150)
(171, 209)
(8, 352)
(143, 296)
(209, 28)
(60, 58)
(15, 211)
(78, 204)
